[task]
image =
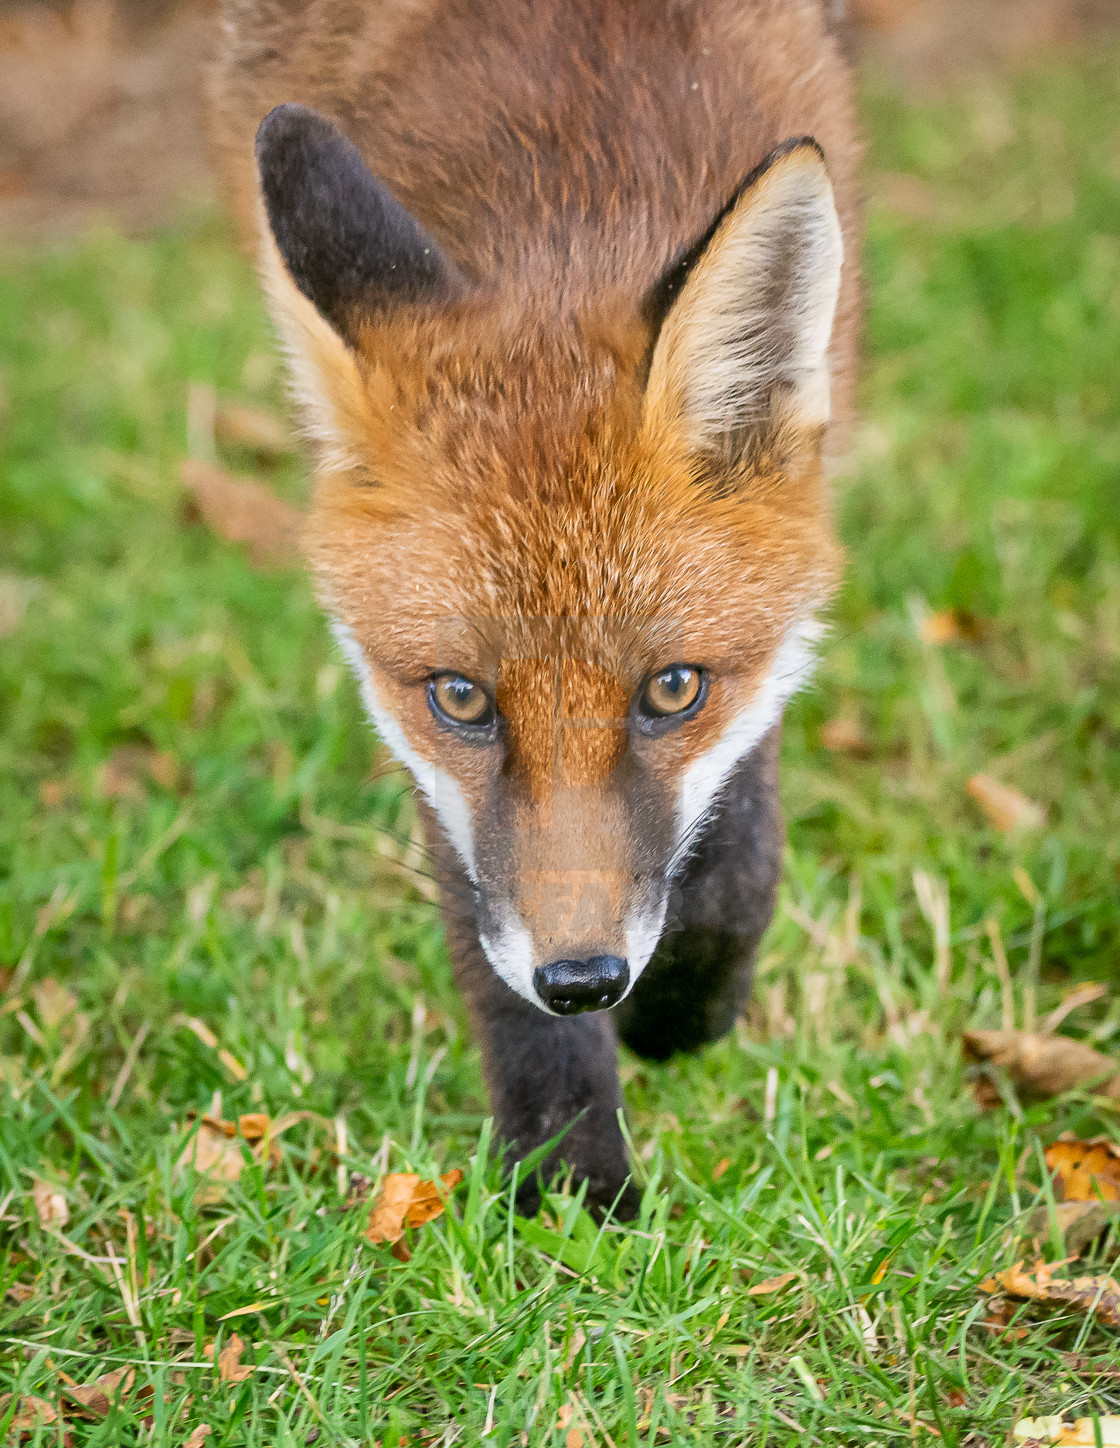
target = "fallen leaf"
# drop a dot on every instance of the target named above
(720, 1167)
(1082, 1431)
(950, 625)
(21, 1292)
(253, 428)
(233, 1065)
(123, 774)
(430, 1198)
(242, 510)
(97, 1398)
(1001, 1314)
(405, 1199)
(242, 1312)
(844, 735)
(55, 792)
(31, 1412)
(985, 1095)
(1045, 1065)
(1100, 1295)
(916, 1423)
(772, 1284)
(215, 1153)
(1079, 1223)
(230, 1369)
(198, 1436)
(50, 1205)
(1006, 809)
(1086, 1171)
(53, 1002)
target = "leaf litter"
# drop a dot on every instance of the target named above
(1006, 809)
(215, 1149)
(97, 1398)
(408, 1200)
(230, 1368)
(1043, 1064)
(1098, 1295)
(241, 510)
(1082, 1431)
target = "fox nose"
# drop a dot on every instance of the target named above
(570, 986)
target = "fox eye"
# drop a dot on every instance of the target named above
(459, 701)
(672, 691)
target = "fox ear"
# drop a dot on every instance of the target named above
(347, 242)
(746, 315)
(337, 247)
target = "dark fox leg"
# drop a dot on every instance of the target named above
(700, 976)
(544, 1073)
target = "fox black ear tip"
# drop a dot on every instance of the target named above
(799, 143)
(285, 123)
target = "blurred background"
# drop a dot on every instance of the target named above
(101, 110)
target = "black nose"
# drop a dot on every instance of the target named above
(570, 986)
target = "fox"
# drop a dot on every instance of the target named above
(569, 295)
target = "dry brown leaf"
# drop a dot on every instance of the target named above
(198, 1436)
(31, 1412)
(244, 511)
(21, 1292)
(998, 1321)
(53, 793)
(1006, 809)
(950, 625)
(254, 428)
(386, 1218)
(1079, 1223)
(405, 1199)
(50, 1204)
(720, 1167)
(122, 775)
(97, 1398)
(430, 1198)
(1099, 1295)
(53, 1002)
(215, 1154)
(1086, 1171)
(772, 1284)
(844, 735)
(1081, 1433)
(230, 1369)
(1045, 1065)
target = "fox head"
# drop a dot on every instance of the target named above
(573, 550)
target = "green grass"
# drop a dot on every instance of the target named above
(262, 891)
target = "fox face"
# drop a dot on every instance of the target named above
(573, 549)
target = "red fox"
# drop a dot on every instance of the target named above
(568, 289)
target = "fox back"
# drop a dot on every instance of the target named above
(569, 293)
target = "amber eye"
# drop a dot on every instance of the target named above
(672, 691)
(459, 701)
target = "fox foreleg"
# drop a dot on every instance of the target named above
(546, 1074)
(700, 975)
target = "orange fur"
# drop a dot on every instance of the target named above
(495, 494)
